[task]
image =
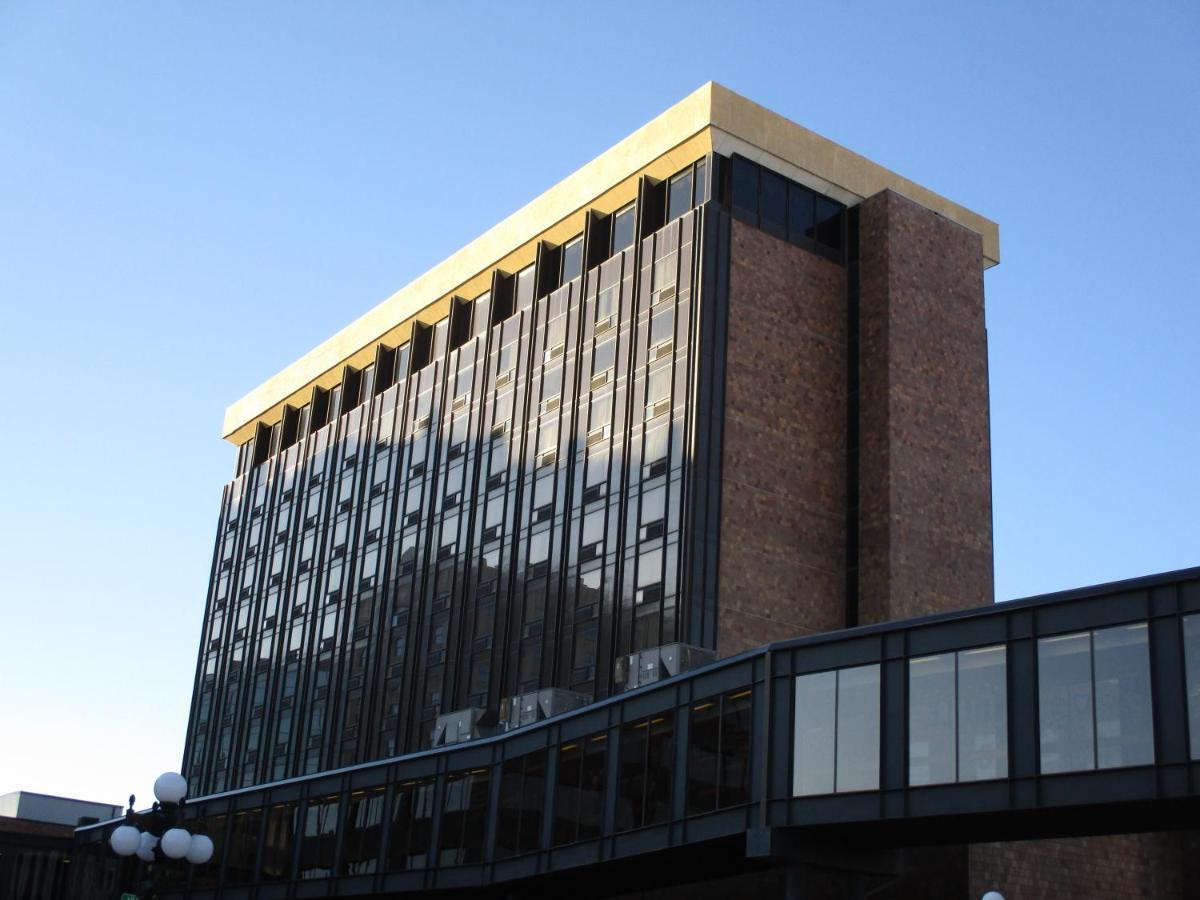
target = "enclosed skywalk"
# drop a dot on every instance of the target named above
(1070, 714)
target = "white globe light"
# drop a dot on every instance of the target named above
(201, 849)
(145, 850)
(993, 895)
(125, 840)
(170, 787)
(175, 843)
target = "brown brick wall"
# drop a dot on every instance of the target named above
(925, 532)
(1117, 867)
(784, 468)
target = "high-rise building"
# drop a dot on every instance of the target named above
(724, 386)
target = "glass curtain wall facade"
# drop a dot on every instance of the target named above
(492, 507)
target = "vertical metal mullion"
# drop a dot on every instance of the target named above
(954, 709)
(720, 730)
(1092, 670)
(837, 696)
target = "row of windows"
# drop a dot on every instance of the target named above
(785, 208)
(684, 190)
(373, 552)
(295, 840)
(1095, 711)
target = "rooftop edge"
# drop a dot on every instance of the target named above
(710, 118)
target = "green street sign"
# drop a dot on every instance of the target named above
(129, 897)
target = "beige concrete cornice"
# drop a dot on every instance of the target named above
(711, 118)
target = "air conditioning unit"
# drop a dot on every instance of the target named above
(553, 353)
(664, 294)
(504, 378)
(550, 404)
(656, 663)
(461, 401)
(421, 424)
(604, 325)
(463, 725)
(547, 459)
(662, 350)
(599, 380)
(658, 409)
(533, 706)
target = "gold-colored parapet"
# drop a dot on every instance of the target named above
(711, 118)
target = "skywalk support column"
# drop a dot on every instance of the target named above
(925, 488)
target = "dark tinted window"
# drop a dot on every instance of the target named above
(206, 876)
(524, 289)
(320, 835)
(736, 724)
(1094, 699)
(622, 228)
(572, 260)
(522, 791)
(464, 817)
(412, 821)
(829, 223)
(278, 843)
(243, 847)
(699, 192)
(679, 195)
(774, 203)
(647, 763)
(363, 832)
(800, 212)
(745, 186)
(1191, 652)
(579, 793)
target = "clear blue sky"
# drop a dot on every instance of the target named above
(194, 194)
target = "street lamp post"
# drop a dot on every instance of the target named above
(158, 833)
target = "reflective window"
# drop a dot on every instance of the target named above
(719, 752)
(276, 864)
(774, 203)
(837, 731)
(829, 223)
(481, 314)
(800, 211)
(622, 228)
(958, 717)
(522, 792)
(679, 195)
(363, 832)
(309, 541)
(205, 876)
(412, 825)
(243, 846)
(1191, 653)
(524, 289)
(319, 838)
(572, 260)
(579, 794)
(607, 302)
(656, 443)
(745, 185)
(604, 356)
(662, 326)
(464, 817)
(1065, 703)
(646, 766)
(658, 385)
(1094, 705)
(1124, 717)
